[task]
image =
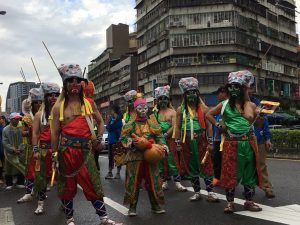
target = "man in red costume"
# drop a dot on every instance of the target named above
(73, 117)
(35, 98)
(41, 142)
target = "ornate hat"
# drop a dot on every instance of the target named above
(188, 83)
(243, 77)
(70, 70)
(88, 88)
(130, 95)
(140, 101)
(162, 91)
(49, 88)
(36, 94)
(15, 115)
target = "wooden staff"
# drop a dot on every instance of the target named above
(83, 72)
(36, 70)
(205, 157)
(50, 55)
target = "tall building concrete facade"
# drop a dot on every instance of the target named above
(16, 93)
(114, 70)
(208, 39)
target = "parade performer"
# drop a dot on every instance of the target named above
(72, 123)
(166, 118)
(41, 142)
(240, 157)
(263, 136)
(137, 135)
(30, 107)
(217, 156)
(12, 140)
(130, 113)
(194, 138)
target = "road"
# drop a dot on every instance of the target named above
(284, 209)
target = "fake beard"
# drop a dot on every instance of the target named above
(74, 88)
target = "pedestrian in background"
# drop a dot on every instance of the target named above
(3, 123)
(113, 127)
(12, 140)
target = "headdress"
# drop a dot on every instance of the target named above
(162, 91)
(188, 83)
(243, 77)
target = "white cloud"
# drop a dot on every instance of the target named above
(74, 31)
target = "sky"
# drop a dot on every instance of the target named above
(73, 30)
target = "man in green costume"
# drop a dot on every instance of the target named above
(166, 118)
(240, 157)
(194, 136)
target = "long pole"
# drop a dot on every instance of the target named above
(50, 55)
(23, 74)
(36, 70)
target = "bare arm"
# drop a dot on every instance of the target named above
(55, 128)
(249, 111)
(36, 129)
(99, 120)
(209, 132)
(173, 123)
(212, 112)
(178, 123)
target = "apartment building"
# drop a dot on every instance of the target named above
(208, 39)
(16, 93)
(114, 70)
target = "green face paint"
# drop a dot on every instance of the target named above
(191, 96)
(234, 90)
(163, 101)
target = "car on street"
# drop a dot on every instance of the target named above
(104, 141)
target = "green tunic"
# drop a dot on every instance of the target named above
(234, 120)
(246, 166)
(194, 163)
(171, 167)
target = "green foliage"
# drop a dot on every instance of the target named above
(284, 138)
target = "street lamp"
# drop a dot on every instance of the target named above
(2, 12)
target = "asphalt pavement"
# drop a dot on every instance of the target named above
(284, 209)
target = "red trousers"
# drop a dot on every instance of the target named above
(73, 162)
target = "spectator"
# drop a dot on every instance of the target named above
(113, 127)
(12, 140)
(3, 123)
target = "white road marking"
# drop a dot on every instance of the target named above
(120, 208)
(101, 156)
(289, 214)
(6, 216)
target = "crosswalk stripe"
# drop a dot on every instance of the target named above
(6, 216)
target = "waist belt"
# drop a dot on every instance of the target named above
(76, 142)
(45, 144)
(239, 137)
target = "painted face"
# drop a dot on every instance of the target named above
(191, 96)
(74, 85)
(163, 101)
(51, 98)
(234, 90)
(142, 110)
(131, 104)
(36, 106)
